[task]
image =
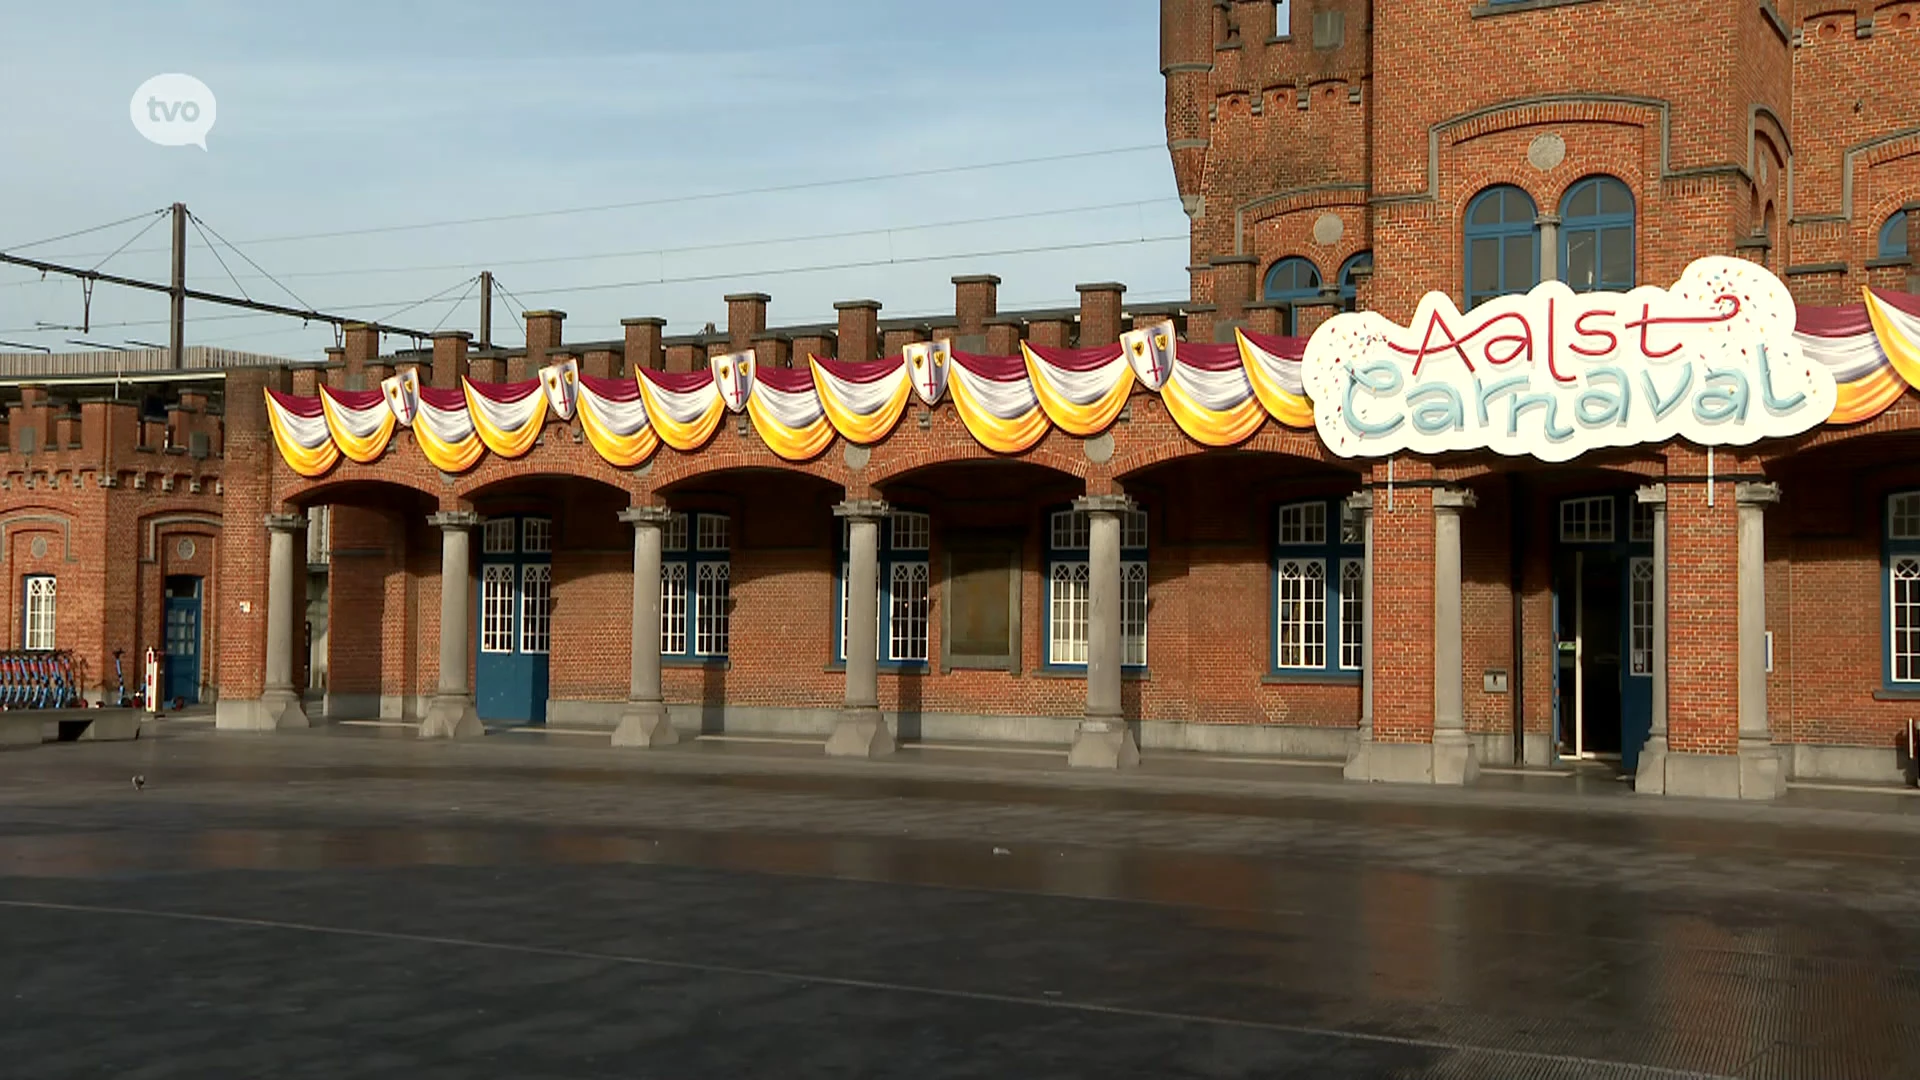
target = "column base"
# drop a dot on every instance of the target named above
(860, 733)
(1757, 772)
(644, 726)
(1103, 744)
(1454, 764)
(271, 711)
(451, 716)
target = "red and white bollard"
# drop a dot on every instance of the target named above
(151, 682)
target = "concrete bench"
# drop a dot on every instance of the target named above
(28, 727)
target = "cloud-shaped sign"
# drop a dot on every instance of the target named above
(1553, 374)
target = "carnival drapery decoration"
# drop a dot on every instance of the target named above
(1217, 394)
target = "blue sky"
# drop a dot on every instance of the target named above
(344, 116)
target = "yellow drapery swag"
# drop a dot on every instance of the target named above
(306, 462)
(1293, 410)
(1903, 354)
(1000, 436)
(1210, 428)
(363, 451)
(1083, 420)
(623, 451)
(508, 444)
(793, 444)
(851, 425)
(683, 437)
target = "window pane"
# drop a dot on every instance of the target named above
(1302, 614)
(710, 608)
(496, 609)
(1484, 256)
(1353, 594)
(1582, 260)
(1067, 602)
(1070, 530)
(1903, 516)
(1616, 258)
(1905, 612)
(673, 608)
(536, 606)
(979, 618)
(1640, 619)
(496, 537)
(1614, 197)
(911, 531)
(1487, 209)
(1133, 613)
(674, 536)
(41, 597)
(1584, 201)
(536, 536)
(907, 616)
(1517, 273)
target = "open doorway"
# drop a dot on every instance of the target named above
(1603, 628)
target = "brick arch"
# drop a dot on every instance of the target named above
(1273, 440)
(1058, 451)
(301, 493)
(475, 485)
(670, 469)
(174, 522)
(34, 518)
(1877, 151)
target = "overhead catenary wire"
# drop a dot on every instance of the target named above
(82, 232)
(735, 193)
(198, 220)
(103, 260)
(216, 256)
(563, 290)
(695, 249)
(472, 282)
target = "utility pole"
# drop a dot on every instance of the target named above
(486, 309)
(177, 340)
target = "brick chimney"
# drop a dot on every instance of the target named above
(334, 369)
(1233, 286)
(859, 330)
(1003, 336)
(449, 359)
(819, 344)
(362, 349)
(975, 300)
(1052, 331)
(773, 349)
(543, 336)
(1100, 313)
(643, 343)
(746, 316)
(895, 340)
(686, 356)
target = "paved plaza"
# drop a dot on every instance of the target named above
(353, 902)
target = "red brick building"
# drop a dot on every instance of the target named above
(1067, 542)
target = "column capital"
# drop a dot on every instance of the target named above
(1546, 219)
(1360, 502)
(1651, 494)
(1455, 499)
(286, 522)
(1749, 493)
(862, 509)
(646, 515)
(460, 520)
(1104, 504)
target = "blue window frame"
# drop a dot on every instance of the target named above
(1901, 561)
(1596, 236)
(1069, 596)
(1319, 589)
(1502, 251)
(1893, 236)
(906, 592)
(1294, 280)
(695, 595)
(1350, 292)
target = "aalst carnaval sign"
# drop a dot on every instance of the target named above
(1553, 373)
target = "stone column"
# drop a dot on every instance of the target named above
(1763, 775)
(1650, 777)
(861, 730)
(644, 723)
(1549, 226)
(451, 714)
(1104, 741)
(1454, 758)
(1362, 504)
(279, 698)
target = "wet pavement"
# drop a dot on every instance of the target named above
(354, 903)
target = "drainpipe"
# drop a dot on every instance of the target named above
(1517, 507)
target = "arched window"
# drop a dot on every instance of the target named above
(1294, 280)
(1502, 255)
(1893, 236)
(1349, 292)
(1596, 236)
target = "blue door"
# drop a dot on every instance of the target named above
(181, 678)
(515, 603)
